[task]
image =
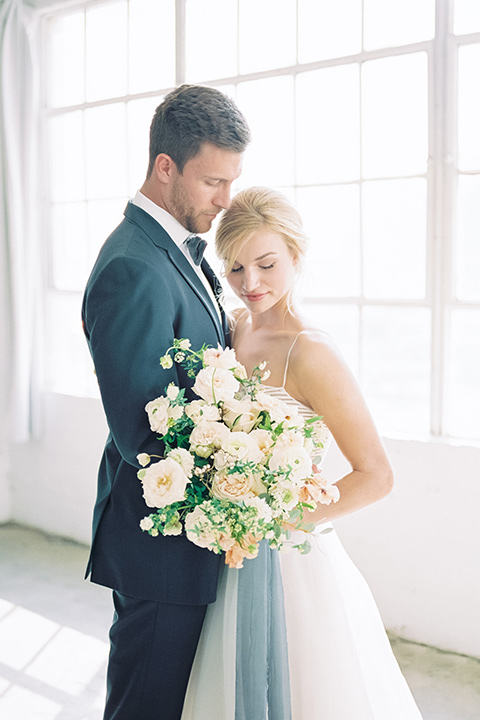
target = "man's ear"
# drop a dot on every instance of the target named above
(164, 168)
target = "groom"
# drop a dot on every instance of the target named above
(148, 286)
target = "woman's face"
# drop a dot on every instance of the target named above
(263, 272)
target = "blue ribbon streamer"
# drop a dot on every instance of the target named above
(262, 678)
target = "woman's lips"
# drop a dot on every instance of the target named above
(255, 298)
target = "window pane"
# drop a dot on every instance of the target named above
(331, 217)
(467, 261)
(69, 246)
(328, 125)
(323, 32)
(395, 116)
(107, 51)
(66, 157)
(139, 118)
(341, 323)
(103, 217)
(69, 365)
(269, 158)
(151, 65)
(468, 107)
(267, 34)
(396, 367)
(466, 18)
(218, 22)
(66, 60)
(106, 160)
(462, 415)
(394, 238)
(389, 24)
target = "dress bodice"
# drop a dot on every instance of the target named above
(279, 393)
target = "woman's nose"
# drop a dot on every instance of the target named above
(250, 280)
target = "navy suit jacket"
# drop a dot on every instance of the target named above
(141, 294)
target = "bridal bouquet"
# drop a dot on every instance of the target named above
(238, 465)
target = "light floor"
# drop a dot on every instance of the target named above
(54, 626)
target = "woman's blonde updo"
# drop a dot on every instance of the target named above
(251, 210)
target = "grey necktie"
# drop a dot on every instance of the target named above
(196, 247)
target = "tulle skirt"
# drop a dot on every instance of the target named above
(296, 637)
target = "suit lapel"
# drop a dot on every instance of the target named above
(162, 239)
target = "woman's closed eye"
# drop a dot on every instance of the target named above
(262, 267)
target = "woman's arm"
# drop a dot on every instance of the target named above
(319, 375)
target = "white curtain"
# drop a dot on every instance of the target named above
(20, 254)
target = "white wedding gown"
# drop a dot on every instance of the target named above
(336, 662)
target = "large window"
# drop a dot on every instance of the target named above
(365, 114)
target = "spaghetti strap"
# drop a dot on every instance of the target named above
(288, 356)
(235, 323)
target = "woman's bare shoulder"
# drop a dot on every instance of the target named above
(315, 349)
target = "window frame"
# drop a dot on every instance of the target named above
(441, 174)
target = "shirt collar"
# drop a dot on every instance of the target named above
(176, 231)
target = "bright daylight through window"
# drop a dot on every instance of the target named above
(365, 114)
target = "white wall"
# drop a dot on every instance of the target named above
(418, 548)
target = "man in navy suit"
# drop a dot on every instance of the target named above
(146, 288)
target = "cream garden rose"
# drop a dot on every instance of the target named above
(220, 357)
(215, 384)
(233, 486)
(240, 415)
(161, 414)
(163, 483)
(206, 437)
(184, 459)
(199, 410)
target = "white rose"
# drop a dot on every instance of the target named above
(199, 410)
(242, 447)
(293, 457)
(207, 437)
(290, 438)
(214, 384)
(263, 439)
(240, 415)
(220, 358)
(184, 459)
(184, 344)
(157, 411)
(164, 483)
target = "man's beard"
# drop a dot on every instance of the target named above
(181, 210)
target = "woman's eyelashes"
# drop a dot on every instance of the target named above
(262, 267)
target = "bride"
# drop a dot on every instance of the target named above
(291, 635)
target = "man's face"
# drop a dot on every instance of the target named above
(198, 194)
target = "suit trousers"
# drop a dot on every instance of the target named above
(152, 648)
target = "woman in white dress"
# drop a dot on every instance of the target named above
(296, 636)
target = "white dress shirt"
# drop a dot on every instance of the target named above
(178, 234)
